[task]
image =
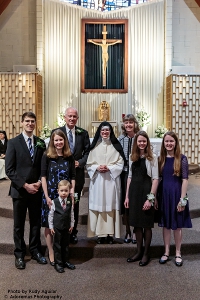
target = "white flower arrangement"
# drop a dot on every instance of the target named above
(60, 121)
(45, 132)
(160, 131)
(143, 118)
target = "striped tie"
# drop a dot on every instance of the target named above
(30, 147)
(70, 138)
(63, 204)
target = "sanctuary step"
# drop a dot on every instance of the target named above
(87, 248)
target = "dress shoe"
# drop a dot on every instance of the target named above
(69, 266)
(178, 263)
(163, 261)
(20, 263)
(134, 241)
(59, 268)
(130, 259)
(101, 240)
(144, 263)
(127, 238)
(52, 263)
(39, 258)
(73, 239)
(109, 240)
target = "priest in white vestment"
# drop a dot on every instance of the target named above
(104, 165)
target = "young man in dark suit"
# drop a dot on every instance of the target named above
(23, 166)
(79, 143)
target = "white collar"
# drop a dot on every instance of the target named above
(26, 137)
(72, 130)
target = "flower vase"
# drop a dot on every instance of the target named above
(144, 128)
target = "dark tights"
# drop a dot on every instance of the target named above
(141, 233)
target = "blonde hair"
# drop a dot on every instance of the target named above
(51, 150)
(135, 153)
(177, 154)
(64, 183)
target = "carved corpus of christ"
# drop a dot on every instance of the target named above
(104, 44)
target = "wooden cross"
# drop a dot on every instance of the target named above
(104, 43)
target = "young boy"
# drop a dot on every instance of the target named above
(61, 223)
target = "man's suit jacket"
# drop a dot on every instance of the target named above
(3, 147)
(81, 151)
(19, 166)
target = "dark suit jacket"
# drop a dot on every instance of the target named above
(3, 147)
(81, 151)
(19, 166)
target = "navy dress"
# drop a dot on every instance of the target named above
(169, 194)
(55, 170)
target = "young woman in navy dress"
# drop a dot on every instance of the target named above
(57, 164)
(172, 195)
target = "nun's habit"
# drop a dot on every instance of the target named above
(105, 188)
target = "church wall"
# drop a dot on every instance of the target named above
(186, 34)
(18, 35)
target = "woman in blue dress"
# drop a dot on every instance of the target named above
(172, 195)
(57, 164)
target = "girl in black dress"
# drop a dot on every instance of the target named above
(57, 164)
(140, 194)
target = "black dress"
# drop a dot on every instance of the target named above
(140, 186)
(55, 170)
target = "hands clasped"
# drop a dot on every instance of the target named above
(103, 169)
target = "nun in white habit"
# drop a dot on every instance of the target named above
(104, 165)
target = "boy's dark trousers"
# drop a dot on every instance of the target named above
(61, 246)
(62, 220)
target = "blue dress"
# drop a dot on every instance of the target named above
(55, 170)
(169, 194)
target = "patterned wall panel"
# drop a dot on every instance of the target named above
(183, 112)
(19, 93)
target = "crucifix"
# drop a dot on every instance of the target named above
(104, 43)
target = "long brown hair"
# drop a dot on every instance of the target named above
(177, 154)
(51, 150)
(135, 153)
(130, 117)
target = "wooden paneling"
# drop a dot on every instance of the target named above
(19, 93)
(184, 120)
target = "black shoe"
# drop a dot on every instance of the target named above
(73, 239)
(52, 263)
(130, 259)
(178, 263)
(39, 258)
(20, 263)
(134, 241)
(101, 240)
(59, 268)
(144, 263)
(127, 240)
(109, 240)
(69, 266)
(163, 261)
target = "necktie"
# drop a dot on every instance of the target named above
(70, 138)
(30, 147)
(63, 204)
